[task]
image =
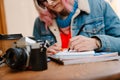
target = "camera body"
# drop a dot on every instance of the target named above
(27, 54)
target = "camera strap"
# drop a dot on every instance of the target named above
(28, 55)
(2, 60)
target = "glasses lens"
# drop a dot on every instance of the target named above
(40, 3)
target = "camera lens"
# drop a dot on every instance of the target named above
(16, 58)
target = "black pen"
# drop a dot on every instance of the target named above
(68, 49)
(78, 33)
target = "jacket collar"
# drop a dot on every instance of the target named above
(83, 5)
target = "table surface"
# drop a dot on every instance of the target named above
(109, 70)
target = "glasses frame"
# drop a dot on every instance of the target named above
(40, 3)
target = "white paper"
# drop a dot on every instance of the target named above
(73, 53)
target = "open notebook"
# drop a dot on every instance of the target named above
(65, 54)
(73, 57)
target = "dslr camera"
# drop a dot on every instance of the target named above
(27, 53)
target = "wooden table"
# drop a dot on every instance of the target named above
(90, 71)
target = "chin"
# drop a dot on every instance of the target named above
(59, 10)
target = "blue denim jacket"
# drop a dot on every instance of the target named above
(96, 18)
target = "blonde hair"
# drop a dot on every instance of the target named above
(48, 17)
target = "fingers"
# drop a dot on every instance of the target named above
(84, 46)
(82, 43)
(55, 48)
(75, 42)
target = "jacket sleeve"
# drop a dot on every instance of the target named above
(111, 40)
(36, 29)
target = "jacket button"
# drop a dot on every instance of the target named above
(94, 30)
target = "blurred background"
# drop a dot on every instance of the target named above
(19, 16)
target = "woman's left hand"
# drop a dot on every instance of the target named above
(82, 43)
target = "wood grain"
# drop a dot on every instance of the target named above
(91, 71)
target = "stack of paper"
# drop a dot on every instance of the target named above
(73, 57)
(72, 54)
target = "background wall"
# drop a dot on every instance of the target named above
(116, 6)
(20, 16)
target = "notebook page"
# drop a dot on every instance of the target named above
(74, 53)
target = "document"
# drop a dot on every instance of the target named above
(72, 54)
(73, 57)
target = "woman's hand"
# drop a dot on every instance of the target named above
(82, 43)
(55, 48)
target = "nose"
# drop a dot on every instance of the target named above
(50, 2)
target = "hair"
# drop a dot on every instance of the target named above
(46, 16)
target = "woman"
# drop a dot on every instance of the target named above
(81, 25)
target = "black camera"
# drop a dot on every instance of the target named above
(27, 53)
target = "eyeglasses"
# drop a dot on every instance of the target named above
(40, 3)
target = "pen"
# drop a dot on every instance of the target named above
(78, 33)
(68, 49)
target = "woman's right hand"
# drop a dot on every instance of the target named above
(55, 48)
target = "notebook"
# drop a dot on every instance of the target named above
(73, 57)
(72, 54)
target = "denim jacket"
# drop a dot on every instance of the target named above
(93, 18)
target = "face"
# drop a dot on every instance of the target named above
(54, 5)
